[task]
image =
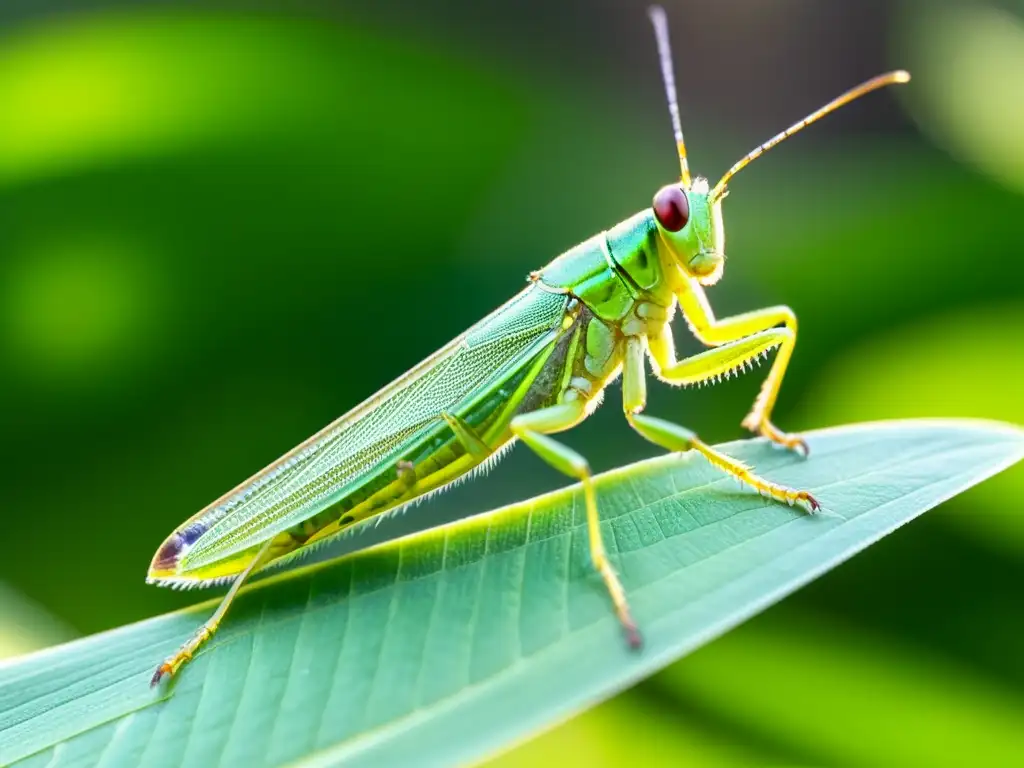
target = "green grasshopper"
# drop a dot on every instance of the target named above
(537, 365)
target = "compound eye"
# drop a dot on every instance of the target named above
(671, 208)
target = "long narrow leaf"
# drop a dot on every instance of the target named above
(447, 646)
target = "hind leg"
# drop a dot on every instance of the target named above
(533, 429)
(673, 437)
(185, 653)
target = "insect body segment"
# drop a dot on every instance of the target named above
(536, 366)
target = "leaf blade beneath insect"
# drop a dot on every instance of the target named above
(454, 643)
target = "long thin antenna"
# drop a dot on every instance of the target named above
(889, 78)
(657, 14)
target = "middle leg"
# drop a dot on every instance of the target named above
(673, 437)
(533, 429)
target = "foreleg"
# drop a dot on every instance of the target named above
(714, 332)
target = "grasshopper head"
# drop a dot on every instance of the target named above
(689, 215)
(690, 225)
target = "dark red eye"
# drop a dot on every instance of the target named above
(671, 207)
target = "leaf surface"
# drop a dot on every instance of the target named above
(450, 645)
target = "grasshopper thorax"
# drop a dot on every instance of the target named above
(690, 228)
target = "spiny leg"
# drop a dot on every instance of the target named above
(714, 332)
(532, 429)
(724, 360)
(673, 437)
(173, 662)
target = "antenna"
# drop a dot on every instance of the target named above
(657, 15)
(889, 78)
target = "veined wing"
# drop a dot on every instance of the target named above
(312, 476)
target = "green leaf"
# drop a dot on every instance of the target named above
(892, 376)
(449, 645)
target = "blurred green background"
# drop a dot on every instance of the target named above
(224, 224)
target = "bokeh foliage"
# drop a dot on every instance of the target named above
(218, 230)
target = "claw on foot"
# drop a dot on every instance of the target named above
(618, 596)
(799, 445)
(812, 504)
(636, 642)
(803, 498)
(163, 670)
(769, 431)
(184, 654)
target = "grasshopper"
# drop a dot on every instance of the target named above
(536, 366)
